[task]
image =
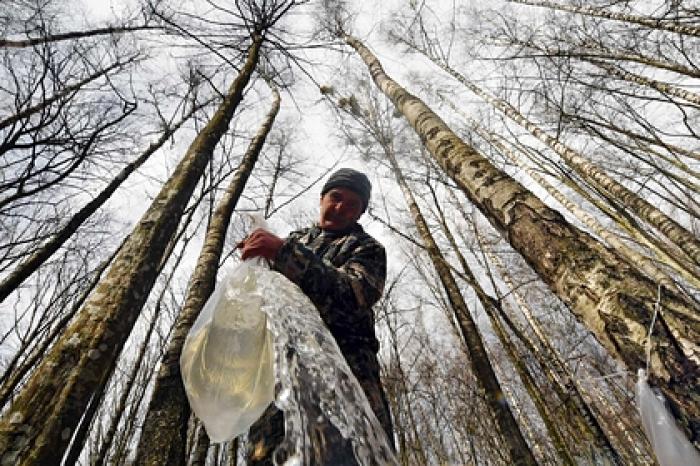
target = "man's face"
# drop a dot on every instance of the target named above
(340, 208)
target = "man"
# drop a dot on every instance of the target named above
(342, 270)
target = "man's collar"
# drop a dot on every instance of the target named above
(355, 227)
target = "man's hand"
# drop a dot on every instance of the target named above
(260, 243)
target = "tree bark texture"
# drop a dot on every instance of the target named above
(494, 311)
(678, 235)
(633, 257)
(101, 456)
(606, 294)
(82, 433)
(38, 426)
(518, 449)
(164, 433)
(201, 448)
(664, 251)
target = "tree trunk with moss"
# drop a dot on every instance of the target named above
(40, 423)
(605, 293)
(107, 440)
(165, 428)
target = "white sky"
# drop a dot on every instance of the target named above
(316, 124)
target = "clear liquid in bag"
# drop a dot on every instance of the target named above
(227, 359)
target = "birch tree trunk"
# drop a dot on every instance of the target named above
(633, 257)
(164, 433)
(108, 439)
(611, 298)
(685, 179)
(39, 424)
(233, 453)
(518, 449)
(201, 448)
(662, 87)
(663, 250)
(653, 23)
(83, 430)
(578, 412)
(493, 311)
(600, 52)
(678, 235)
(636, 136)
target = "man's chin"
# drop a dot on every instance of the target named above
(330, 225)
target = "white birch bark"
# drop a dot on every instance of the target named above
(653, 23)
(611, 298)
(681, 237)
(660, 86)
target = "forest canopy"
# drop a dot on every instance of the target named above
(535, 168)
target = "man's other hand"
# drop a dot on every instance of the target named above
(260, 243)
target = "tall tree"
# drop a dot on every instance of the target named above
(653, 23)
(608, 295)
(645, 264)
(588, 170)
(164, 433)
(518, 450)
(40, 422)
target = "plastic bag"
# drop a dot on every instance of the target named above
(670, 445)
(227, 358)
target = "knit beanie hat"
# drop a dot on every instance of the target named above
(352, 180)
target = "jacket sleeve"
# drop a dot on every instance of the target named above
(344, 295)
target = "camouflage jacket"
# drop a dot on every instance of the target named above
(343, 274)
